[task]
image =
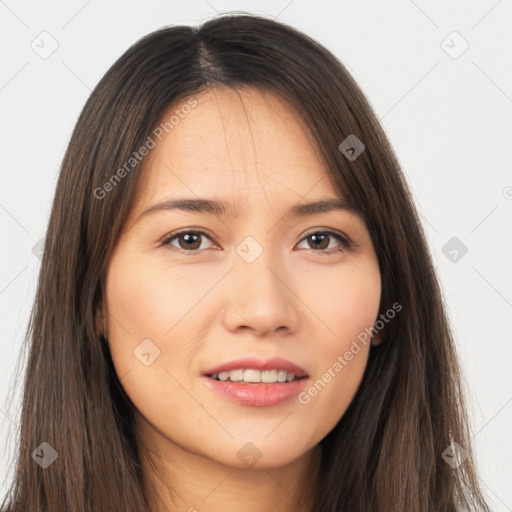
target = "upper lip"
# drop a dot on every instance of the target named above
(273, 363)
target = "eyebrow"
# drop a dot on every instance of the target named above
(223, 209)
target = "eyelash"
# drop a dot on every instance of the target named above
(345, 242)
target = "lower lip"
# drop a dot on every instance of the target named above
(257, 395)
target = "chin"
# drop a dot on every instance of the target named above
(260, 453)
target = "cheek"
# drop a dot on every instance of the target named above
(144, 302)
(139, 306)
(138, 295)
(153, 327)
(349, 310)
(147, 299)
(346, 301)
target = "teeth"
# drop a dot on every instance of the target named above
(281, 376)
(224, 375)
(252, 376)
(236, 375)
(269, 376)
(255, 376)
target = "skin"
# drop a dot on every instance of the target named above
(295, 300)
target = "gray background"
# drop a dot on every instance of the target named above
(447, 113)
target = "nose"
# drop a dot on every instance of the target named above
(260, 298)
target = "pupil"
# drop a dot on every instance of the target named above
(315, 237)
(188, 237)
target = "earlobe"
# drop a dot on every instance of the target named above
(377, 339)
(100, 323)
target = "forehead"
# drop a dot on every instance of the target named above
(242, 145)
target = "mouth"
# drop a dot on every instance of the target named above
(254, 376)
(256, 383)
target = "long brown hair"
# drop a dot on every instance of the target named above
(385, 454)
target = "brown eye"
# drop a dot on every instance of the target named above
(192, 242)
(188, 241)
(321, 240)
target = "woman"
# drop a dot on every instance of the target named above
(237, 308)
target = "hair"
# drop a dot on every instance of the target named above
(385, 453)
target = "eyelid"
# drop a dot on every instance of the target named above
(345, 241)
(171, 236)
(329, 231)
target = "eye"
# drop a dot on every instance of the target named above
(191, 241)
(188, 241)
(321, 242)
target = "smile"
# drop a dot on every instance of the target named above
(250, 375)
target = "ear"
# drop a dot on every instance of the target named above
(377, 339)
(100, 323)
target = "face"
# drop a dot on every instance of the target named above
(258, 291)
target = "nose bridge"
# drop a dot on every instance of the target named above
(259, 260)
(258, 297)
(256, 265)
